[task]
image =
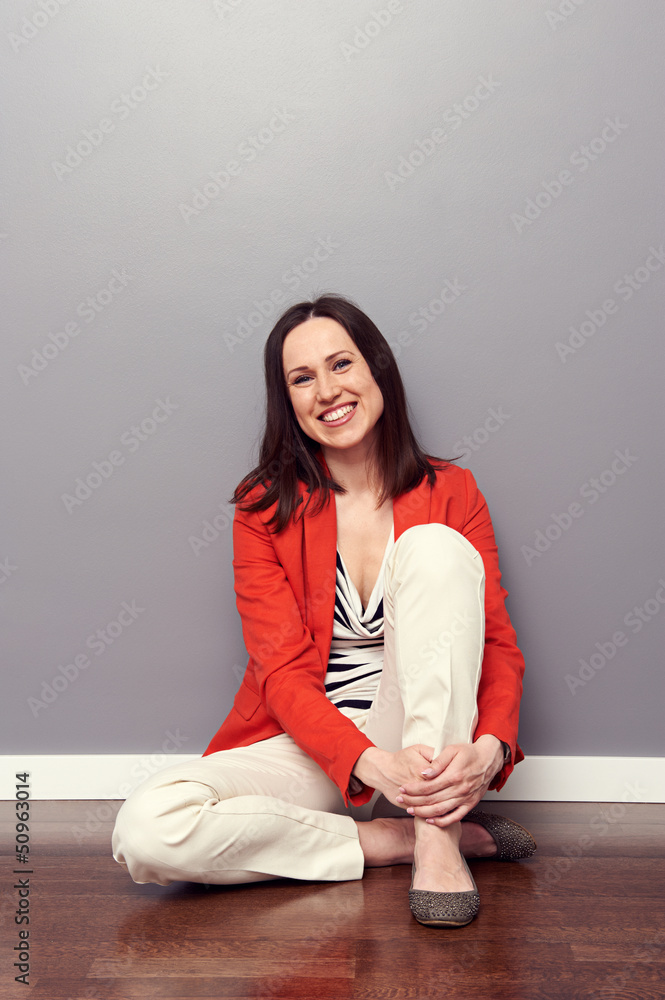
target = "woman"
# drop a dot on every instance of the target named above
(381, 697)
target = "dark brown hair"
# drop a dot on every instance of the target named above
(288, 455)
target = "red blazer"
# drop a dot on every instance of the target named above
(285, 589)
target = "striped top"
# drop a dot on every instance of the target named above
(356, 651)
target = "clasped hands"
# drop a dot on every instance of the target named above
(441, 790)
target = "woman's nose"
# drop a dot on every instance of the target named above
(326, 387)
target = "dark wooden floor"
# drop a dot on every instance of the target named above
(572, 922)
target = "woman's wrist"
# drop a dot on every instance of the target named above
(493, 747)
(366, 767)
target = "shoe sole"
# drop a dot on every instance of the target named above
(444, 923)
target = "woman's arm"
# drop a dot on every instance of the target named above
(285, 666)
(500, 689)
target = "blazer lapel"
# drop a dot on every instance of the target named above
(320, 562)
(412, 508)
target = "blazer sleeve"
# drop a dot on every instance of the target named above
(500, 689)
(284, 659)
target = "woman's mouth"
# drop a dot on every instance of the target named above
(333, 418)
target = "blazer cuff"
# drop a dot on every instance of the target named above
(499, 779)
(358, 793)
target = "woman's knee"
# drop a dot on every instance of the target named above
(151, 825)
(437, 551)
(136, 828)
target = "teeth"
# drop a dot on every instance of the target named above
(337, 414)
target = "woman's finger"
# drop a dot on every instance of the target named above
(441, 802)
(438, 810)
(427, 796)
(452, 817)
(450, 783)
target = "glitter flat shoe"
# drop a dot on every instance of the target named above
(444, 909)
(513, 842)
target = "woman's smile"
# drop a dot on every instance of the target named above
(339, 415)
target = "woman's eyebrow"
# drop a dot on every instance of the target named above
(304, 368)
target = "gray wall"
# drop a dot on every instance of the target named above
(132, 301)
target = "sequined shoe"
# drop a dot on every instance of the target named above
(444, 909)
(513, 842)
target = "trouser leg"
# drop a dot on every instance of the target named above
(268, 811)
(244, 815)
(434, 615)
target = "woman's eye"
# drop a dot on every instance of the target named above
(306, 379)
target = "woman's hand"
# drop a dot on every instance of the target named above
(458, 779)
(390, 771)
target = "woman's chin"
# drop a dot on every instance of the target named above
(351, 442)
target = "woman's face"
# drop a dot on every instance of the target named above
(333, 393)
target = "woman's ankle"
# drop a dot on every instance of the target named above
(477, 842)
(431, 833)
(439, 865)
(386, 841)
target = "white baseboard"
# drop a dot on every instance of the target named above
(536, 779)
(585, 779)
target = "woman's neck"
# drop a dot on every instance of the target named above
(352, 471)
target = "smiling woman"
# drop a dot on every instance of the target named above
(381, 697)
(318, 357)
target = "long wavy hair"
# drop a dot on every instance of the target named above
(287, 455)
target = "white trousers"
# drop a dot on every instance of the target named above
(268, 810)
